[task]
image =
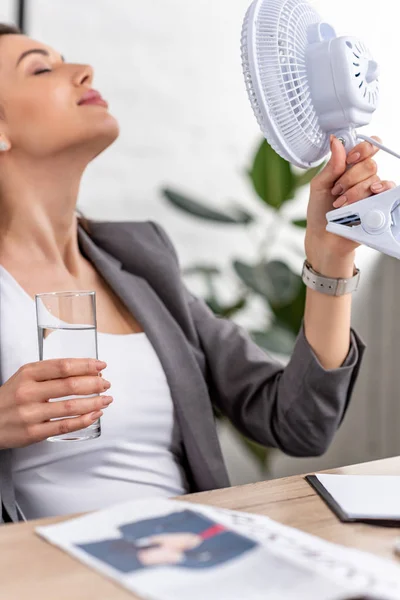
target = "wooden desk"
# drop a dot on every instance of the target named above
(32, 568)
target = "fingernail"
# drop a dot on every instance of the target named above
(96, 415)
(106, 384)
(337, 190)
(340, 202)
(376, 187)
(353, 158)
(107, 400)
(331, 138)
(100, 365)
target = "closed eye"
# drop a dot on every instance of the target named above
(42, 71)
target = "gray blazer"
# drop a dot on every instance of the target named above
(211, 361)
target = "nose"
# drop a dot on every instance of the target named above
(84, 74)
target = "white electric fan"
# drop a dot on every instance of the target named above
(304, 84)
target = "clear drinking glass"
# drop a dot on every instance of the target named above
(66, 323)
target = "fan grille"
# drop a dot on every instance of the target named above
(278, 51)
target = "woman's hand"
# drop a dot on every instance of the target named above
(25, 412)
(333, 187)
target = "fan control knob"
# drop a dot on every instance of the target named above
(373, 71)
(374, 221)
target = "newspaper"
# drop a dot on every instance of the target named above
(175, 550)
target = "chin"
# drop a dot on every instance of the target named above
(105, 135)
(97, 123)
(110, 125)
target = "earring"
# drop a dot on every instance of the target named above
(3, 146)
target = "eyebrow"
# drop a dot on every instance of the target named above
(34, 51)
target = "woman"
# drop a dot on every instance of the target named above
(169, 359)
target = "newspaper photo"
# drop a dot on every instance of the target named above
(173, 550)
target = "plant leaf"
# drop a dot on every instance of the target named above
(285, 283)
(213, 304)
(273, 280)
(231, 309)
(206, 270)
(291, 315)
(196, 209)
(242, 215)
(300, 223)
(272, 177)
(305, 178)
(276, 339)
(225, 310)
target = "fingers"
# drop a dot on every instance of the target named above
(362, 190)
(382, 186)
(61, 367)
(42, 431)
(69, 386)
(360, 172)
(363, 151)
(35, 413)
(338, 162)
(333, 169)
(361, 180)
(42, 391)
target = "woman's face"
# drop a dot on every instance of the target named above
(39, 97)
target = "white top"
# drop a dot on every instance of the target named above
(138, 452)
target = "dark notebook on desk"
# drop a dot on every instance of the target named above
(364, 498)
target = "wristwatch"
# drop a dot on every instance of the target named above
(328, 285)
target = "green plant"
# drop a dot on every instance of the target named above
(275, 183)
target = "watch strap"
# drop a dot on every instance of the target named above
(329, 285)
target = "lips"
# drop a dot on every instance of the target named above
(92, 97)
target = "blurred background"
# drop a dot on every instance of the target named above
(171, 72)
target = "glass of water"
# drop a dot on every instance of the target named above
(66, 323)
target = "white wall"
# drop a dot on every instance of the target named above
(8, 11)
(171, 72)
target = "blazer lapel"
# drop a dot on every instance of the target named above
(187, 385)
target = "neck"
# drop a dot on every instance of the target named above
(38, 220)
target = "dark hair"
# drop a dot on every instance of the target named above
(9, 29)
